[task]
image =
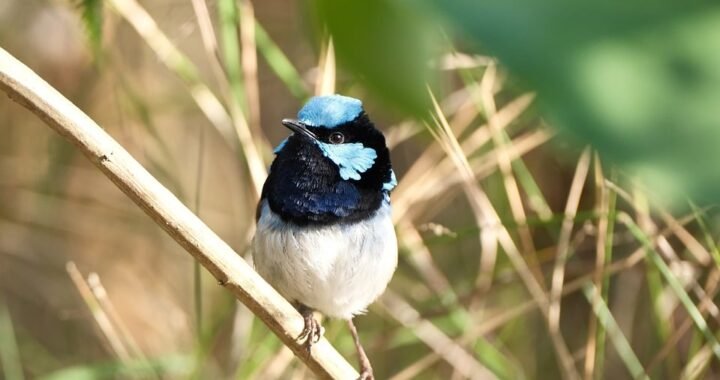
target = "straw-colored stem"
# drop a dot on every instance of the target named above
(103, 321)
(231, 271)
(563, 248)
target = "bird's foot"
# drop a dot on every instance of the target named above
(312, 331)
(366, 371)
(366, 374)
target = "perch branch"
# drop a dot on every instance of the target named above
(27, 88)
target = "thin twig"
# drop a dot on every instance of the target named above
(231, 271)
(102, 319)
(123, 332)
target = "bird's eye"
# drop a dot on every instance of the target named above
(336, 138)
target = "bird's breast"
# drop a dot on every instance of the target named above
(337, 269)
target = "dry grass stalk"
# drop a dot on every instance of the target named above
(98, 290)
(249, 63)
(209, 39)
(711, 288)
(563, 247)
(98, 312)
(602, 209)
(422, 260)
(512, 190)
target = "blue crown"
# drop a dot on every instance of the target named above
(330, 111)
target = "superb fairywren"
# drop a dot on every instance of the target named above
(325, 238)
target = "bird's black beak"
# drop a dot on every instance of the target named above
(298, 127)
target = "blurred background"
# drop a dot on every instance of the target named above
(556, 207)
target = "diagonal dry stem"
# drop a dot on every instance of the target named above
(711, 288)
(693, 245)
(101, 318)
(100, 294)
(422, 260)
(210, 44)
(429, 173)
(482, 167)
(231, 271)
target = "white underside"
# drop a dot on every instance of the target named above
(338, 270)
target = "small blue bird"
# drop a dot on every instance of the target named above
(325, 238)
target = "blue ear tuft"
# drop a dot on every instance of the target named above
(352, 159)
(330, 111)
(388, 186)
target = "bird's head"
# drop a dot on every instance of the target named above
(335, 165)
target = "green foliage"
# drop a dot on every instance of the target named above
(91, 12)
(279, 63)
(10, 365)
(637, 80)
(387, 45)
(498, 363)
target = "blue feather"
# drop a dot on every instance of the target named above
(342, 202)
(388, 186)
(330, 111)
(352, 159)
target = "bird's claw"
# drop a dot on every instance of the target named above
(366, 374)
(312, 332)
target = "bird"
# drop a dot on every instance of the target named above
(325, 239)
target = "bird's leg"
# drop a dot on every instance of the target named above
(312, 331)
(366, 372)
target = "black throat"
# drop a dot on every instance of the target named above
(305, 188)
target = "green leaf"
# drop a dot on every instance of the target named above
(386, 44)
(10, 365)
(91, 12)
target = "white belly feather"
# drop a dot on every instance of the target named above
(337, 270)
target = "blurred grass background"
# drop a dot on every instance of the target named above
(525, 252)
